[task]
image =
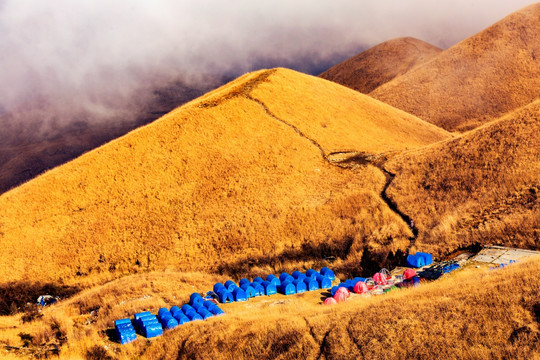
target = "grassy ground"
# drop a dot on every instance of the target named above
(477, 80)
(473, 313)
(479, 188)
(236, 181)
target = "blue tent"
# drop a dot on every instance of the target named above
(225, 296)
(152, 330)
(125, 331)
(162, 312)
(324, 282)
(239, 294)
(273, 279)
(249, 290)
(230, 285)
(415, 261)
(218, 286)
(208, 304)
(287, 288)
(269, 288)
(168, 321)
(243, 282)
(175, 309)
(258, 288)
(189, 311)
(298, 275)
(205, 314)
(216, 310)
(311, 284)
(300, 285)
(181, 317)
(283, 276)
(148, 324)
(328, 273)
(195, 300)
(311, 273)
(357, 279)
(185, 308)
(193, 316)
(428, 258)
(258, 280)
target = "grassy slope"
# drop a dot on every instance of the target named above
(376, 66)
(218, 182)
(482, 187)
(477, 80)
(472, 314)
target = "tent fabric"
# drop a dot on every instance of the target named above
(415, 261)
(287, 288)
(274, 280)
(230, 285)
(204, 311)
(311, 284)
(311, 273)
(175, 309)
(258, 279)
(208, 304)
(184, 308)
(324, 282)
(428, 258)
(330, 301)
(243, 282)
(225, 296)
(409, 273)
(239, 294)
(283, 276)
(218, 286)
(163, 311)
(152, 330)
(216, 310)
(258, 288)
(380, 279)
(300, 286)
(269, 288)
(187, 312)
(196, 300)
(249, 290)
(360, 287)
(125, 331)
(193, 316)
(328, 273)
(168, 321)
(298, 275)
(343, 290)
(340, 296)
(181, 318)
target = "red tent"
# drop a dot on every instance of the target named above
(340, 296)
(360, 287)
(330, 301)
(380, 279)
(409, 274)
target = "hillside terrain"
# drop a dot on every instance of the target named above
(227, 183)
(378, 65)
(477, 80)
(482, 187)
(35, 138)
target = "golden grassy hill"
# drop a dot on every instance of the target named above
(477, 80)
(235, 181)
(482, 187)
(470, 314)
(370, 69)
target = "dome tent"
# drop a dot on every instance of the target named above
(311, 284)
(328, 273)
(258, 279)
(330, 301)
(273, 279)
(243, 282)
(249, 290)
(269, 288)
(360, 287)
(181, 317)
(225, 296)
(287, 288)
(298, 275)
(415, 261)
(230, 285)
(239, 294)
(324, 282)
(311, 273)
(218, 286)
(196, 300)
(300, 286)
(258, 288)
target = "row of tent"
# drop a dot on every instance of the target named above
(286, 284)
(150, 325)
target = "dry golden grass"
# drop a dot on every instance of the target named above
(477, 80)
(470, 314)
(217, 184)
(479, 188)
(376, 66)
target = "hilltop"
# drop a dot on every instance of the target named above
(479, 188)
(230, 182)
(378, 65)
(477, 80)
